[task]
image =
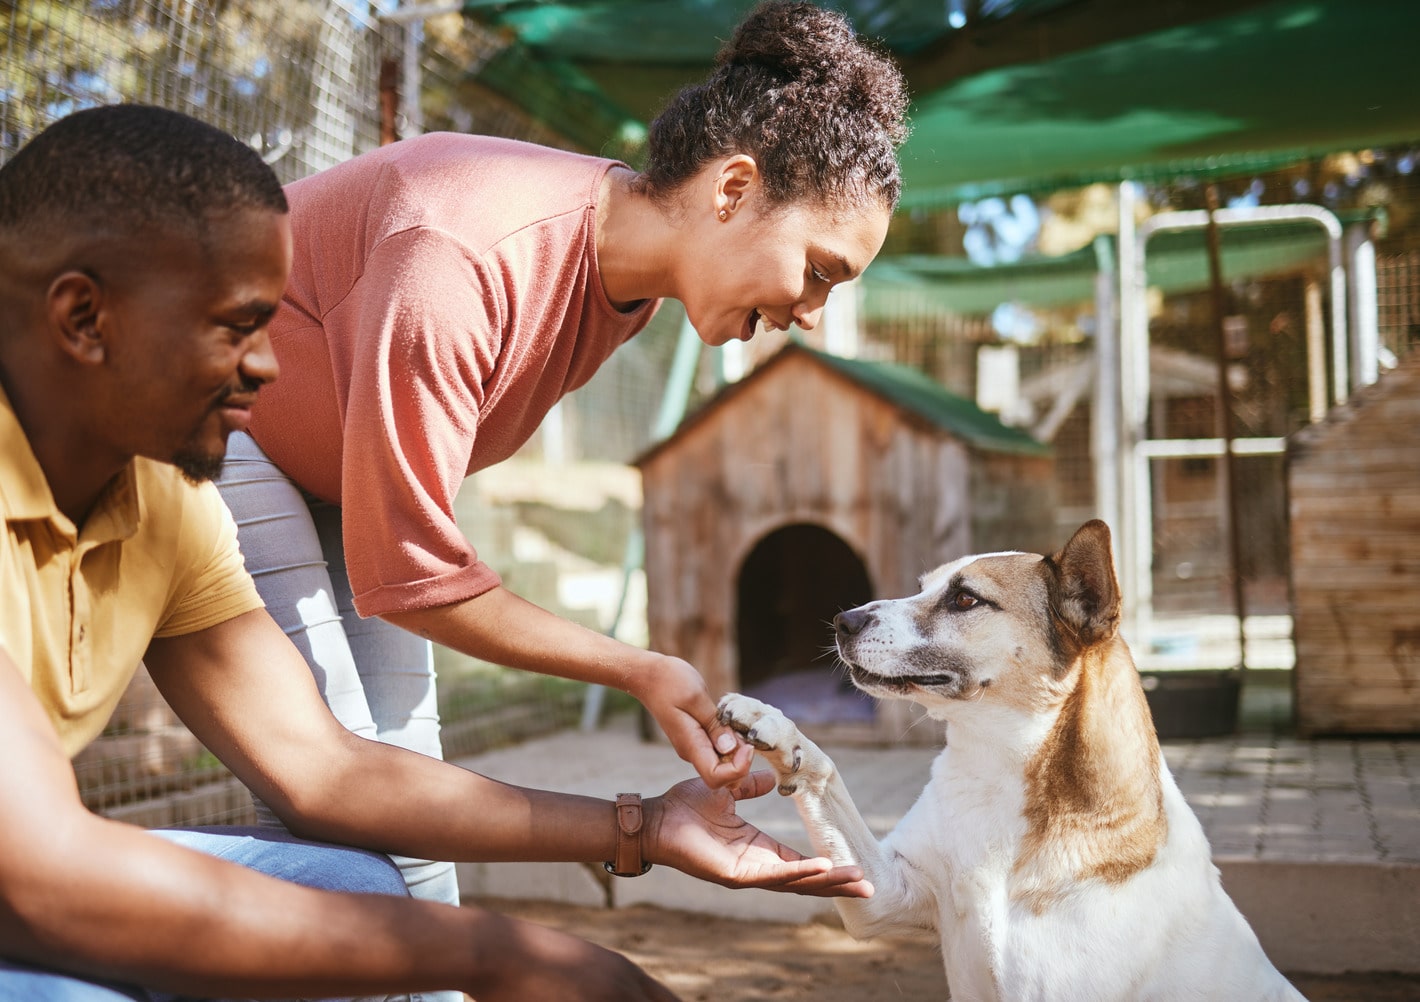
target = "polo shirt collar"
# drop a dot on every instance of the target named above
(25, 493)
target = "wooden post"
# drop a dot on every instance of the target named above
(389, 101)
(1316, 353)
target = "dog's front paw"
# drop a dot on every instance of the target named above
(774, 734)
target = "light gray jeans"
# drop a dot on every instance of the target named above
(376, 678)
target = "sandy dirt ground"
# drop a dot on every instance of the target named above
(708, 959)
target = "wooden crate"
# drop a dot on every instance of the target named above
(1354, 503)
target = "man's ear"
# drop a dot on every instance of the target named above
(737, 175)
(75, 309)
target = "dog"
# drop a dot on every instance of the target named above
(1051, 850)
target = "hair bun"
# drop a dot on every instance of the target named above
(820, 110)
(798, 40)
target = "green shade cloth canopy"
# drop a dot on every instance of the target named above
(1176, 261)
(598, 71)
(1252, 86)
(1250, 92)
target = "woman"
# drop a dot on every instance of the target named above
(449, 289)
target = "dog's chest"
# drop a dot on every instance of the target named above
(968, 845)
(999, 941)
(969, 837)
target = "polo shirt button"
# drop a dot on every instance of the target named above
(81, 632)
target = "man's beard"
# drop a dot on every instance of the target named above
(198, 467)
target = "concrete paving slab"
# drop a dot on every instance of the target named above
(1318, 841)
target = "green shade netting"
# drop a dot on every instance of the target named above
(1175, 262)
(1245, 93)
(1253, 90)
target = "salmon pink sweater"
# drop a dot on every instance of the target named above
(444, 295)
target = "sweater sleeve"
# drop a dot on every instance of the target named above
(425, 336)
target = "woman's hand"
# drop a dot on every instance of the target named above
(676, 695)
(500, 627)
(696, 830)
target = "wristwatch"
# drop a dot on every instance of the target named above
(629, 817)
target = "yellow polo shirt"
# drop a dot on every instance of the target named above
(157, 557)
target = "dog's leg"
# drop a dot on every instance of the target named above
(835, 826)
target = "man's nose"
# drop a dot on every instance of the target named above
(259, 363)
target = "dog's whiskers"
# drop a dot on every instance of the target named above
(913, 723)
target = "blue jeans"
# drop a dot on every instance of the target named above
(377, 679)
(274, 852)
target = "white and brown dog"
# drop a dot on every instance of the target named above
(1051, 849)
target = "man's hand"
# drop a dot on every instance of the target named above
(696, 830)
(676, 695)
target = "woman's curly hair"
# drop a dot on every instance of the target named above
(821, 112)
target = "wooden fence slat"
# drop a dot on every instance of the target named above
(1350, 501)
(1354, 509)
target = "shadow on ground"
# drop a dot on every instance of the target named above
(707, 958)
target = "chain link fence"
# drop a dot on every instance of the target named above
(309, 84)
(1398, 304)
(298, 81)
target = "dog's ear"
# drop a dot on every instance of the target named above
(1085, 591)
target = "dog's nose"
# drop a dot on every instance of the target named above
(853, 621)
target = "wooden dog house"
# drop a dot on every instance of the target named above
(815, 484)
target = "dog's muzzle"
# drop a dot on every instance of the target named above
(846, 627)
(907, 676)
(948, 684)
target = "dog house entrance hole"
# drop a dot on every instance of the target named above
(792, 584)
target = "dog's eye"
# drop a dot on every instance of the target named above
(964, 600)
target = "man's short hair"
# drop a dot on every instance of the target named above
(129, 168)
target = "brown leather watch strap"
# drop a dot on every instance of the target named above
(629, 818)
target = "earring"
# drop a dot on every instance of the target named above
(724, 214)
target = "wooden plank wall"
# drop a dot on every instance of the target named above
(1354, 504)
(1014, 504)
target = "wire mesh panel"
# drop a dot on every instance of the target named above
(296, 81)
(1398, 304)
(299, 81)
(1267, 366)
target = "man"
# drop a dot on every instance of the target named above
(141, 256)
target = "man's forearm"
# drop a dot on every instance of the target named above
(172, 918)
(381, 797)
(245, 692)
